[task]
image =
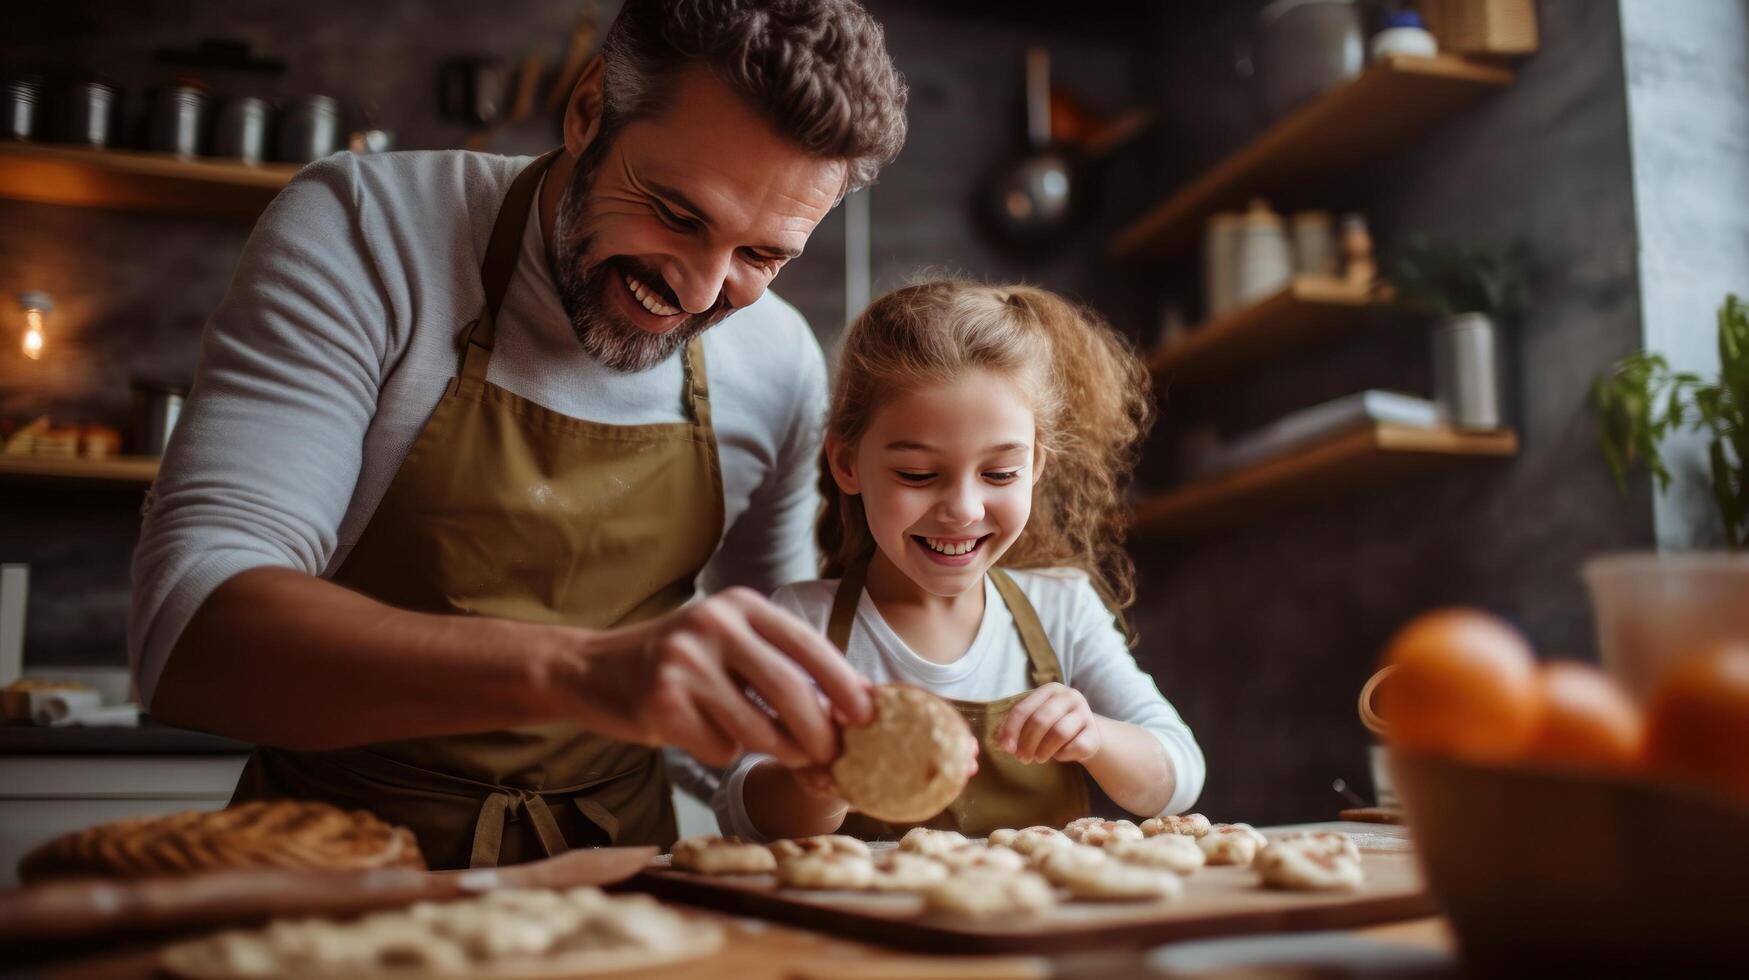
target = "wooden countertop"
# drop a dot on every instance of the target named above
(758, 951)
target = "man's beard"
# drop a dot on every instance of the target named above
(608, 337)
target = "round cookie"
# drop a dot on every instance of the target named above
(822, 844)
(1171, 852)
(922, 840)
(825, 872)
(1187, 824)
(1057, 864)
(910, 762)
(1114, 881)
(969, 856)
(1332, 841)
(1029, 840)
(722, 856)
(1307, 865)
(990, 895)
(1097, 833)
(902, 871)
(1231, 843)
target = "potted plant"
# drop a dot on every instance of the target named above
(1472, 291)
(1655, 608)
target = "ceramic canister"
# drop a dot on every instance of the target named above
(1219, 239)
(1262, 258)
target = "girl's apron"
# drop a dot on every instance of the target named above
(1005, 792)
(505, 508)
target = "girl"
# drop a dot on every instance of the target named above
(975, 454)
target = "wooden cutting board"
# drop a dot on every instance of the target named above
(1217, 901)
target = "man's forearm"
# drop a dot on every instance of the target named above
(282, 658)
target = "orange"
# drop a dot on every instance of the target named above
(1465, 686)
(1587, 720)
(1697, 727)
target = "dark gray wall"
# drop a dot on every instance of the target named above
(1264, 634)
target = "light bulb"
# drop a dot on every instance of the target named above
(35, 305)
(33, 334)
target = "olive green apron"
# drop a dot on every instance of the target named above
(505, 508)
(1005, 792)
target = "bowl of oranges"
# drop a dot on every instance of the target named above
(1560, 818)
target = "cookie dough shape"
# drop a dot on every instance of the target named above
(902, 871)
(976, 856)
(825, 872)
(1331, 841)
(513, 935)
(1185, 824)
(1169, 852)
(1097, 833)
(1114, 881)
(1231, 843)
(910, 762)
(722, 856)
(1058, 864)
(823, 844)
(1307, 865)
(1029, 840)
(991, 894)
(922, 840)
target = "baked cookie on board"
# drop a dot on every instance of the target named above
(1170, 852)
(1185, 824)
(991, 894)
(1304, 864)
(714, 855)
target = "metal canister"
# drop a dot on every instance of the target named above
(23, 107)
(177, 119)
(157, 406)
(88, 116)
(1468, 377)
(309, 129)
(241, 130)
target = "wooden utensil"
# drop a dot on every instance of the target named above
(59, 912)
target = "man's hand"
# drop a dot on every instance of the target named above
(1052, 723)
(683, 680)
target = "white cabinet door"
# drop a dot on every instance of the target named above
(44, 796)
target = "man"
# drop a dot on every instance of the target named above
(459, 446)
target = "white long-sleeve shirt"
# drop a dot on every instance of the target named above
(338, 337)
(1090, 648)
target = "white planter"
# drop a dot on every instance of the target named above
(1468, 377)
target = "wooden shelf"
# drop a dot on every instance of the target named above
(1389, 102)
(1365, 456)
(130, 181)
(116, 471)
(1309, 308)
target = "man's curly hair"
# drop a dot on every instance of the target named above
(817, 69)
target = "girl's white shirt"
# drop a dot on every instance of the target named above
(1091, 649)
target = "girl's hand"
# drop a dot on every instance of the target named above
(1053, 723)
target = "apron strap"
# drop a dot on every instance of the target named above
(844, 605)
(502, 250)
(1046, 669)
(504, 803)
(696, 393)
